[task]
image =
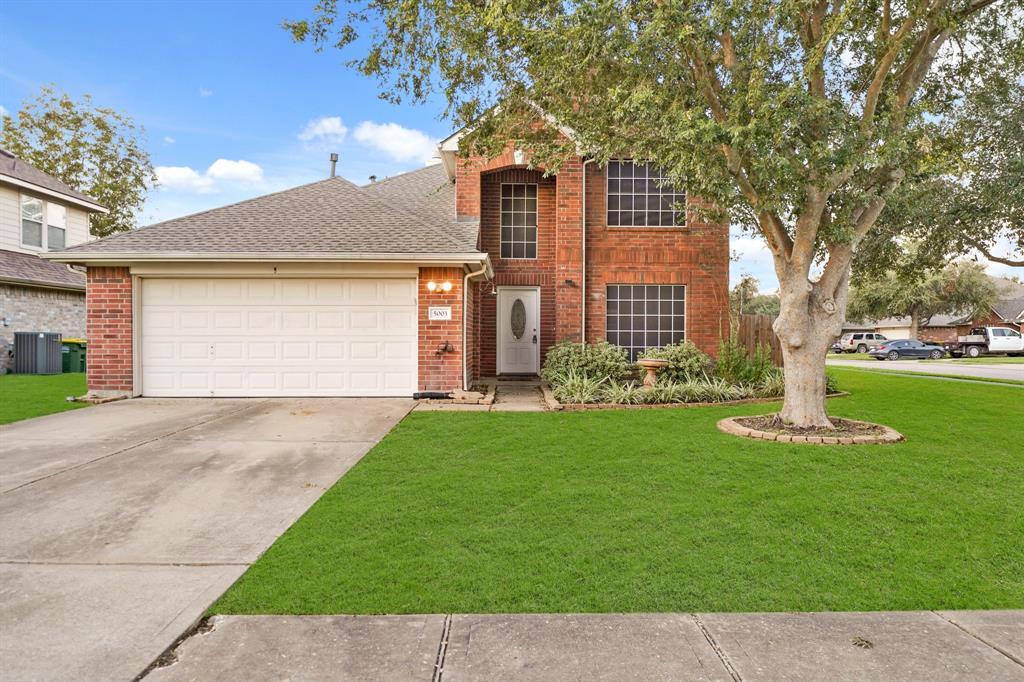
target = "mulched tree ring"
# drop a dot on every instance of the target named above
(846, 432)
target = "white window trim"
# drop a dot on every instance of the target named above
(44, 236)
(21, 228)
(536, 212)
(48, 225)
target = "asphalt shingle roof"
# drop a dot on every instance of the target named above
(331, 216)
(1010, 308)
(30, 268)
(428, 191)
(14, 167)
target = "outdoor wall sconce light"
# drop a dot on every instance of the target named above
(444, 287)
(445, 347)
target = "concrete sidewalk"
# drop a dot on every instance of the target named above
(920, 645)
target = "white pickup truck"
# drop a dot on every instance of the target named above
(986, 340)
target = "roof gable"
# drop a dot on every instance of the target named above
(21, 173)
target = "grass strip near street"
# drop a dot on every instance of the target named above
(934, 375)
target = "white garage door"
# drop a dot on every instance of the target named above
(281, 337)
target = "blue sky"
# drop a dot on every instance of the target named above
(231, 106)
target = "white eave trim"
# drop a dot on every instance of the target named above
(88, 205)
(110, 257)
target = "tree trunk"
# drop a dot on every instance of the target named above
(808, 323)
(915, 323)
(804, 404)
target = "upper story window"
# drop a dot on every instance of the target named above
(518, 221)
(44, 224)
(56, 226)
(639, 197)
(32, 222)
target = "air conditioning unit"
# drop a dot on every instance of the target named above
(37, 353)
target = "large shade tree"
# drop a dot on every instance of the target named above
(95, 150)
(797, 118)
(922, 293)
(967, 198)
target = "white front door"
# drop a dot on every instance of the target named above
(278, 337)
(518, 330)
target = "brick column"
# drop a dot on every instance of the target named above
(568, 250)
(108, 307)
(440, 372)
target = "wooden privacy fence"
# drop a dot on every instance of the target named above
(755, 330)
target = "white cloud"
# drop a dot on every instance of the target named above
(220, 172)
(398, 142)
(241, 171)
(205, 92)
(325, 128)
(183, 177)
(168, 139)
(3, 111)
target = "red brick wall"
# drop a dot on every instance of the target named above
(937, 334)
(467, 180)
(696, 255)
(108, 306)
(569, 256)
(538, 272)
(440, 372)
(990, 320)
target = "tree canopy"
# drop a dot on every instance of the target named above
(95, 150)
(956, 289)
(796, 118)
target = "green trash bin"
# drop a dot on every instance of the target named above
(73, 355)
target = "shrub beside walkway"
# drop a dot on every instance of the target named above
(922, 645)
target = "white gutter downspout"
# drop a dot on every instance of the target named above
(583, 257)
(465, 317)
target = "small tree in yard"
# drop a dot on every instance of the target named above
(95, 150)
(797, 118)
(961, 288)
(746, 299)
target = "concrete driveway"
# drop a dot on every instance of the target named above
(120, 524)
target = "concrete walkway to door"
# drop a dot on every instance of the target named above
(120, 524)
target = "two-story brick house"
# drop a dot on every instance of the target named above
(39, 213)
(419, 282)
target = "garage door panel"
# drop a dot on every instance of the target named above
(318, 337)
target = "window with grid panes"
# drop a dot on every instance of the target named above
(640, 316)
(638, 196)
(518, 220)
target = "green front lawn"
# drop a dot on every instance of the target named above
(33, 395)
(656, 510)
(849, 356)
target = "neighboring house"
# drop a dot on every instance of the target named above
(420, 282)
(39, 213)
(1007, 312)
